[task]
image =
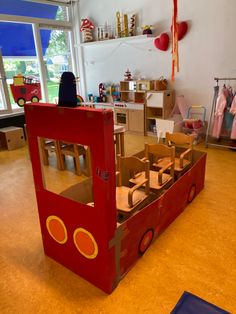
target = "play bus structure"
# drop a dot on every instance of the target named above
(25, 88)
(91, 240)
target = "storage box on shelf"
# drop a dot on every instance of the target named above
(159, 105)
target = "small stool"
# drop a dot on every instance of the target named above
(12, 137)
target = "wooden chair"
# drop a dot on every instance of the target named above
(158, 178)
(129, 198)
(75, 151)
(183, 160)
(49, 145)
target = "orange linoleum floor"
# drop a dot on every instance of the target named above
(197, 253)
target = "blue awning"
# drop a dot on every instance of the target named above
(17, 39)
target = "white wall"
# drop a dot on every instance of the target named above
(208, 50)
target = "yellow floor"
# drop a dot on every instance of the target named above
(197, 253)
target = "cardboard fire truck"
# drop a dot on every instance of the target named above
(24, 89)
(93, 241)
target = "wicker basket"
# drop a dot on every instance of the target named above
(160, 84)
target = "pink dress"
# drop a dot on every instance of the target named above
(219, 114)
(233, 111)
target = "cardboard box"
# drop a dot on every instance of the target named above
(12, 137)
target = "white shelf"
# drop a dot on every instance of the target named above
(132, 39)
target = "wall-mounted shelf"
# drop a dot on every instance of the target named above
(132, 39)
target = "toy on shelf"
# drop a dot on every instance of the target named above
(147, 29)
(86, 28)
(118, 24)
(160, 84)
(132, 29)
(25, 88)
(126, 26)
(105, 32)
(102, 92)
(122, 25)
(128, 75)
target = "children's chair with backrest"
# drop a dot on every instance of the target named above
(158, 178)
(183, 158)
(50, 145)
(74, 150)
(128, 199)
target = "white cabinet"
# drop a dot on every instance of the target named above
(159, 105)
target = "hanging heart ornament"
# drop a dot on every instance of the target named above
(182, 29)
(162, 42)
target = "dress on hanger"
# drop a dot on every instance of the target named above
(233, 111)
(219, 113)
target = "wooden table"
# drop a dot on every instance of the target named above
(119, 132)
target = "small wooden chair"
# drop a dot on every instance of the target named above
(158, 178)
(129, 198)
(183, 160)
(74, 150)
(49, 145)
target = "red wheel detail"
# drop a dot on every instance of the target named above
(192, 193)
(145, 241)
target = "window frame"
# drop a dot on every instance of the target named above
(37, 25)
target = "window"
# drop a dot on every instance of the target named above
(75, 182)
(20, 35)
(57, 60)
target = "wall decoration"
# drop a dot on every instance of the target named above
(162, 42)
(175, 51)
(182, 29)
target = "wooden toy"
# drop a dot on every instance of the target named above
(95, 241)
(25, 88)
(86, 28)
(128, 75)
(126, 26)
(118, 24)
(132, 29)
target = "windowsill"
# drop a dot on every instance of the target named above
(12, 114)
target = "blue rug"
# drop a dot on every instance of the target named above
(191, 304)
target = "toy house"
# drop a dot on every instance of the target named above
(81, 227)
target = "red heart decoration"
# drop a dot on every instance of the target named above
(162, 42)
(182, 29)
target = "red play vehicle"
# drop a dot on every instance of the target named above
(25, 89)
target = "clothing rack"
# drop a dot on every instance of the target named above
(216, 92)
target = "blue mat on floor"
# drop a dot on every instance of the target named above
(191, 304)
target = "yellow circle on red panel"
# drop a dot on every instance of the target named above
(85, 243)
(57, 229)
